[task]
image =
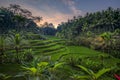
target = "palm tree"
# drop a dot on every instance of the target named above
(17, 41)
(90, 74)
(14, 8)
(20, 21)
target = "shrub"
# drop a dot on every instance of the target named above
(83, 41)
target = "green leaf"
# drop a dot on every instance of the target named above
(101, 72)
(85, 69)
(33, 70)
(42, 64)
(80, 77)
(58, 64)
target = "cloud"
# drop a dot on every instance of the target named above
(52, 11)
(55, 17)
(72, 5)
(50, 14)
(59, 17)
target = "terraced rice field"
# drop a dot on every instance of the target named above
(55, 49)
(47, 47)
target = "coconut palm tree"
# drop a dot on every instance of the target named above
(15, 8)
(17, 41)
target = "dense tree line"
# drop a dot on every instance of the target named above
(48, 29)
(19, 19)
(97, 22)
(16, 18)
(99, 31)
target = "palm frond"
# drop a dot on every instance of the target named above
(85, 69)
(57, 65)
(101, 72)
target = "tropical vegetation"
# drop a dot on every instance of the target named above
(84, 48)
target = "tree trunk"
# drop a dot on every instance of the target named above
(17, 52)
(1, 56)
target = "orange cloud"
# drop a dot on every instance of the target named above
(55, 18)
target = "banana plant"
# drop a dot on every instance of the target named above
(39, 70)
(91, 75)
(36, 70)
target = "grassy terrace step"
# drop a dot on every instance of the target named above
(34, 42)
(49, 50)
(59, 54)
(56, 51)
(82, 50)
(41, 49)
(43, 45)
(36, 51)
(79, 51)
(49, 53)
(48, 45)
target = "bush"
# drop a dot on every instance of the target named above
(113, 48)
(69, 43)
(83, 41)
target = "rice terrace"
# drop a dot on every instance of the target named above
(59, 40)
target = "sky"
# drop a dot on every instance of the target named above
(57, 11)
